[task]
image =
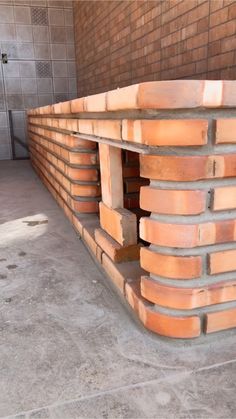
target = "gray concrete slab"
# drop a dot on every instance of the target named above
(68, 346)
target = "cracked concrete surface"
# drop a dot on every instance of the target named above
(69, 348)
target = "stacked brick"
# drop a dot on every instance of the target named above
(184, 132)
(69, 164)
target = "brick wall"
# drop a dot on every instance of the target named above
(123, 42)
(184, 284)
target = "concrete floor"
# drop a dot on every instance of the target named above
(69, 348)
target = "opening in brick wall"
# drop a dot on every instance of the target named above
(119, 208)
(132, 182)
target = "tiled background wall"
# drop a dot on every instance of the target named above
(38, 37)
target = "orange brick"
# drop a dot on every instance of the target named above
(163, 324)
(225, 131)
(65, 107)
(108, 128)
(187, 298)
(173, 94)
(77, 105)
(170, 326)
(85, 126)
(124, 98)
(79, 142)
(170, 266)
(88, 237)
(61, 165)
(213, 93)
(187, 168)
(177, 132)
(114, 274)
(57, 108)
(114, 250)
(95, 103)
(87, 207)
(119, 223)
(220, 320)
(167, 201)
(84, 190)
(81, 174)
(86, 159)
(222, 261)
(64, 153)
(186, 235)
(224, 198)
(229, 92)
(72, 125)
(173, 167)
(77, 224)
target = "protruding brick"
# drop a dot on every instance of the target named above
(119, 223)
(178, 132)
(111, 175)
(168, 201)
(170, 266)
(114, 250)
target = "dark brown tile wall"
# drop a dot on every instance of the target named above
(123, 42)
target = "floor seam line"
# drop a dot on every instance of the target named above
(98, 394)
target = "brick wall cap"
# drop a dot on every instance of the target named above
(166, 94)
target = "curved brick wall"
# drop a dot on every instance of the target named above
(185, 134)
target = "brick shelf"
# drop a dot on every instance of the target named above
(181, 280)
